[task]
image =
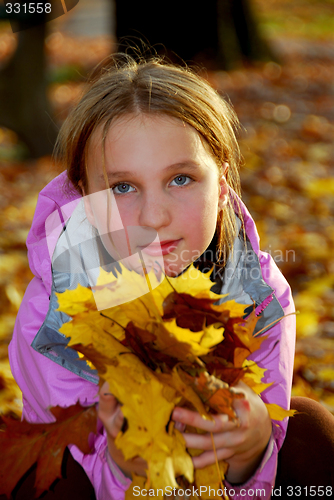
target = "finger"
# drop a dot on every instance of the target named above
(242, 408)
(105, 390)
(109, 411)
(210, 457)
(137, 464)
(107, 404)
(251, 403)
(204, 441)
(118, 457)
(104, 387)
(180, 427)
(113, 422)
(218, 423)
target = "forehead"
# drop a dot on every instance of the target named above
(133, 123)
(138, 141)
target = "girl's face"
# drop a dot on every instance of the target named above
(164, 181)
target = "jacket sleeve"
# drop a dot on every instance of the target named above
(45, 383)
(276, 355)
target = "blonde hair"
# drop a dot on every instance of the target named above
(125, 86)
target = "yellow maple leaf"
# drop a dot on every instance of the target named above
(135, 311)
(128, 286)
(211, 480)
(183, 465)
(104, 343)
(147, 405)
(212, 335)
(164, 468)
(82, 326)
(148, 412)
(183, 343)
(138, 484)
(177, 342)
(76, 301)
(278, 413)
(191, 281)
(253, 377)
(235, 310)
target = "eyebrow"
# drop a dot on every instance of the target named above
(189, 165)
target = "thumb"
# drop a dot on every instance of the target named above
(109, 411)
(107, 402)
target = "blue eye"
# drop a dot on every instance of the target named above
(122, 188)
(181, 180)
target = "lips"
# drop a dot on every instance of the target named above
(163, 248)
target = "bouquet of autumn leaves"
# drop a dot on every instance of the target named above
(171, 346)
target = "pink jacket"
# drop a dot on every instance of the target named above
(45, 383)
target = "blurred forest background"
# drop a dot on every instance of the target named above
(285, 103)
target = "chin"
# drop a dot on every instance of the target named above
(174, 270)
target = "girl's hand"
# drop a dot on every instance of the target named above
(241, 444)
(110, 413)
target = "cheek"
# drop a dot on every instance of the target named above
(128, 211)
(207, 208)
(199, 221)
(105, 212)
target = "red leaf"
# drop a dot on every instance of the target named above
(231, 341)
(22, 444)
(191, 312)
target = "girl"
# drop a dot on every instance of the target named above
(156, 144)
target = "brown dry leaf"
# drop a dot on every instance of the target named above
(184, 389)
(94, 358)
(216, 394)
(238, 344)
(22, 444)
(245, 330)
(192, 312)
(224, 370)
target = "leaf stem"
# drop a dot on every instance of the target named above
(276, 321)
(217, 466)
(114, 321)
(155, 307)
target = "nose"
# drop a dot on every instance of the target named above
(155, 211)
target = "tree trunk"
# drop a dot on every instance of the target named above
(24, 106)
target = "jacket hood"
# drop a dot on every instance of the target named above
(54, 206)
